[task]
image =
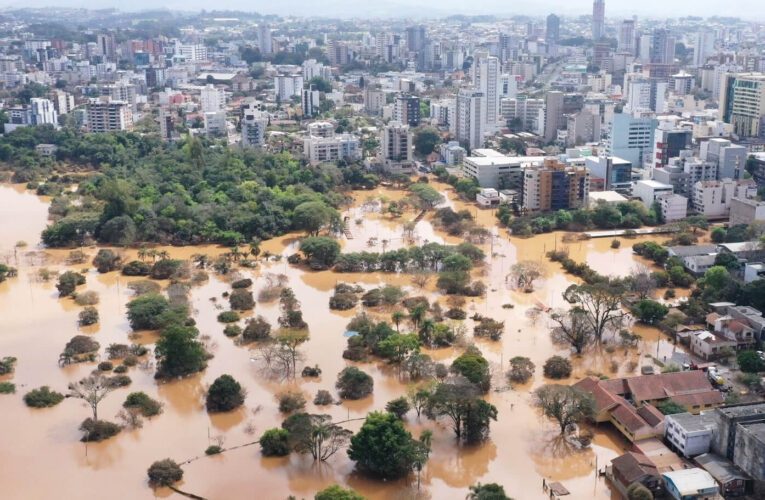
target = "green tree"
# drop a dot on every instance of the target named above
(147, 311)
(322, 252)
(68, 283)
(225, 394)
(651, 312)
(489, 491)
(637, 491)
(179, 353)
(669, 407)
(716, 277)
(275, 443)
(397, 347)
(425, 141)
(383, 447)
(106, 260)
(313, 216)
(336, 492)
(718, 235)
(399, 407)
(164, 473)
(474, 367)
(750, 362)
(353, 383)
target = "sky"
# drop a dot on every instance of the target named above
(749, 9)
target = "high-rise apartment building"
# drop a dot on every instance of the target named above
(553, 115)
(406, 110)
(212, 99)
(523, 111)
(555, 186)
(627, 37)
(662, 47)
(415, 38)
(286, 86)
(631, 138)
(703, 47)
(374, 100)
(396, 148)
(105, 42)
(107, 115)
(254, 122)
(552, 31)
(598, 19)
(265, 40)
(310, 101)
(468, 129)
(742, 103)
(490, 88)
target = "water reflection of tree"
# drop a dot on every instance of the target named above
(462, 467)
(184, 395)
(557, 458)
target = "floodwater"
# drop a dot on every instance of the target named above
(41, 455)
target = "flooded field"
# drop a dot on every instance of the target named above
(42, 456)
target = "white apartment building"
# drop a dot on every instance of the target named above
(212, 99)
(215, 123)
(490, 87)
(107, 115)
(314, 69)
(286, 86)
(499, 171)
(469, 131)
(649, 191)
(713, 198)
(673, 207)
(374, 100)
(689, 434)
(192, 52)
(63, 102)
(254, 123)
(397, 148)
(526, 110)
(331, 149)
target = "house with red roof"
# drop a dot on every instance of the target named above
(630, 403)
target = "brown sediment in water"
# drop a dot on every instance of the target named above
(35, 325)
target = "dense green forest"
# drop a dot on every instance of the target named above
(134, 188)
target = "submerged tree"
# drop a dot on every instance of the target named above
(572, 328)
(523, 274)
(564, 404)
(384, 448)
(602, 303)
(316, 435)
(459, 400)
(92, 390)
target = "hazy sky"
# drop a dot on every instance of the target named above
(751, 9)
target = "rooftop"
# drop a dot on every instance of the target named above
(654, 184)
(692, 423)
(720, 468)
(690, 481)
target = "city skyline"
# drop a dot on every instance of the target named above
(425, 9)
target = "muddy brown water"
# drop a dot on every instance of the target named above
(41, 455)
